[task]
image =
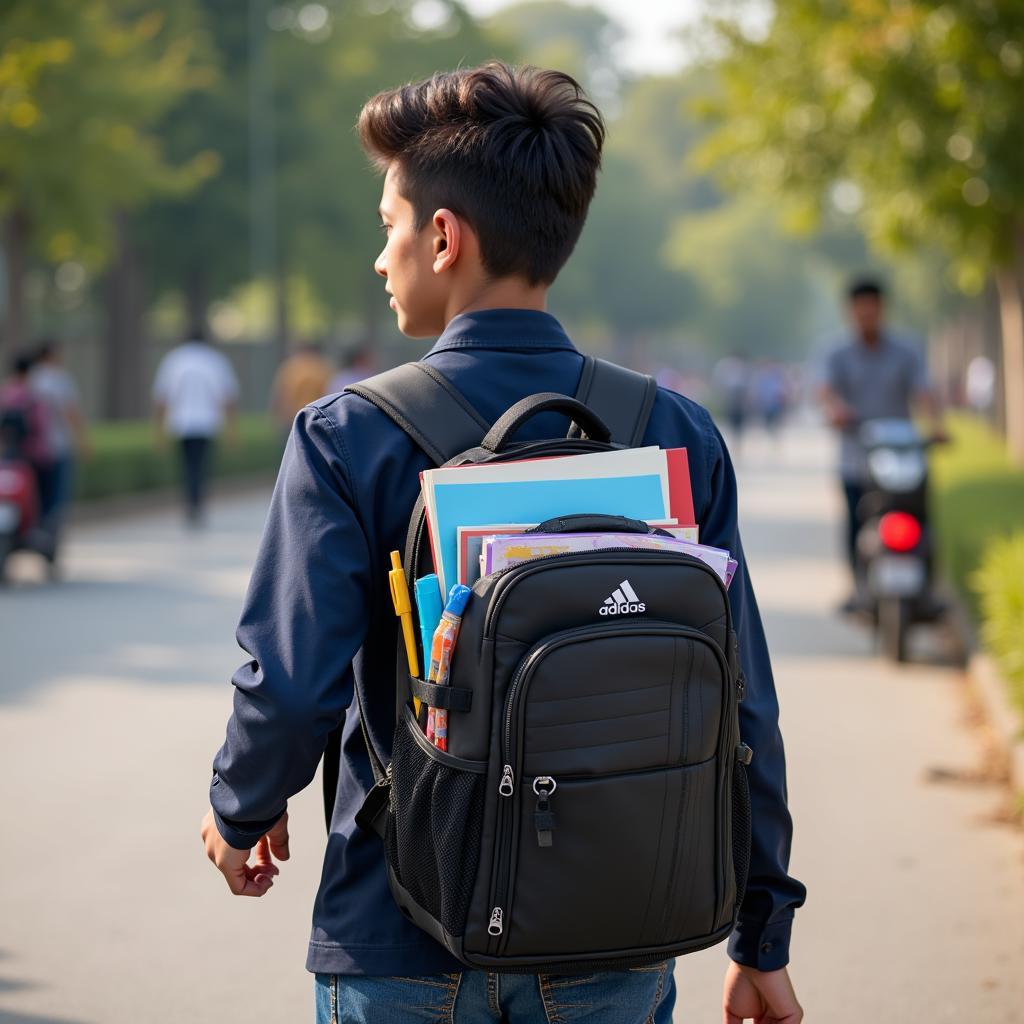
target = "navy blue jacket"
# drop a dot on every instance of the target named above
(318, 620)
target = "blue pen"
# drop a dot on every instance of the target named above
(429, 607)
(428, 604)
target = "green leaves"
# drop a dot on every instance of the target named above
(82, 83)
(914, 103)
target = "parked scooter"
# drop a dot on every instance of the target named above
(20, 528)
(894, 542)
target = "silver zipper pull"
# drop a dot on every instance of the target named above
(508, 781)
(494, 928)
(543, 818)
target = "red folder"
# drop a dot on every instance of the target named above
(680, 496)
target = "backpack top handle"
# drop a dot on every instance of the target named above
(546, 401)
(596, 523)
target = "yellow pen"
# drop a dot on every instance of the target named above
(403, 609)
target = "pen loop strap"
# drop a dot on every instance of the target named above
(451, 698)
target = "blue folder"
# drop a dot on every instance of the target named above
(533, 501)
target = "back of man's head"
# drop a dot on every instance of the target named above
(515, 151)
(22, 364)
(865, 288)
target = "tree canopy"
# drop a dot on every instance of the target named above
(210, 159)
(905, 114)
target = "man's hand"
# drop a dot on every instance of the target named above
(243, 878)
(766, 996)
(837, 413)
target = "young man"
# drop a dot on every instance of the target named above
(870, 375)
(488, 176)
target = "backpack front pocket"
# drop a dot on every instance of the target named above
(623, 860)
(609, 784)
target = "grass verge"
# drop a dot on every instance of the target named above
(978, 508)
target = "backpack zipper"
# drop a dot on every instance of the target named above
(525, 569)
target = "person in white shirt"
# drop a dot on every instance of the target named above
(195, 395)
(68, 435)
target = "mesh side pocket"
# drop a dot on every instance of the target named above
(740, 829)
(434, 829)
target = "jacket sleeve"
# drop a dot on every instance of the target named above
(304, 618)
(761, 936)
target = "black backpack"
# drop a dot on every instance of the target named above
(591, 811)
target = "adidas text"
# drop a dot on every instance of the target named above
(624, 601)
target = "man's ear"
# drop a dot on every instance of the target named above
(447, 240)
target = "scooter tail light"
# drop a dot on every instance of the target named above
(899, 531)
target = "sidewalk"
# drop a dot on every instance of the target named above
(114, 694)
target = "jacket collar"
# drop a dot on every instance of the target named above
(516, 329)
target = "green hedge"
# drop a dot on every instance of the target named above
(978, 506)
(1000, 585)
(126, 460)
(977, 494)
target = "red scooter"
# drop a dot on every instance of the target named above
(20, 528)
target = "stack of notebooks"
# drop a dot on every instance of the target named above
(477, 515)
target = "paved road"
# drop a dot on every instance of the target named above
(113, 695)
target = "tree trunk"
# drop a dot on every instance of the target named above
(195, 298)
(1011, 315)
(16, 251)
(282, 317)
(991, 333)
(127, 390)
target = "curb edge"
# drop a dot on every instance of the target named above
(1006, 722)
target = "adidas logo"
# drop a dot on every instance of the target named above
(623, 601)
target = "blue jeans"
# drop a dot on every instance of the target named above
(642, 995)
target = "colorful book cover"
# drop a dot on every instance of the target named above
(630, 482)
(502, 552)
(471, 539)
(472, 565)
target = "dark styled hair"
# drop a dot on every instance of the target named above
(863, 287)
(515, 151)
(22, 363)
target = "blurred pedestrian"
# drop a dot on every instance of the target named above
(357, 365)
(68, 434)
(980, 384)
(303, 377)
(771, 395)
(872, 374)
(731, 377)
(195, 395)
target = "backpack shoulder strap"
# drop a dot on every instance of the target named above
(622, 398)
(426, 405)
